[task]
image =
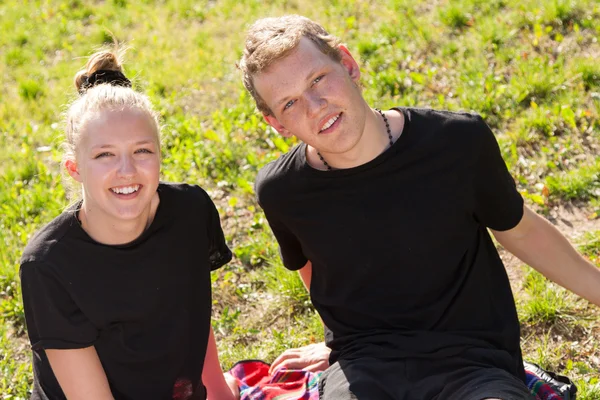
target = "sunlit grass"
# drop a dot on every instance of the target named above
(579, 183)
(527, 66)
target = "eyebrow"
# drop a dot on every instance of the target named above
(310, 74)
(110, 146)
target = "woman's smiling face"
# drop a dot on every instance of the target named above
(118, 163)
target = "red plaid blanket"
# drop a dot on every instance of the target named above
(256, 383)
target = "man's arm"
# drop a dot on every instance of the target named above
(313, 357)
(80, 374)
(539, 244)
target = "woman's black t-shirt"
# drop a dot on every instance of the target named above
(145, 306)
(403, 266)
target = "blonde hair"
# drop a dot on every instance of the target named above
(271, 39)
(102, 96)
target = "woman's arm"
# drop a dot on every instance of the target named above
(80, 373)
(212, 376)
(306, 274)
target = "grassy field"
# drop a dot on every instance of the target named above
(530, 67)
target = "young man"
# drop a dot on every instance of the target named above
(385, 215)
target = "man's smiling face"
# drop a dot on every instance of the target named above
(315, 98)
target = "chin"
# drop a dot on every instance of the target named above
(128, 213)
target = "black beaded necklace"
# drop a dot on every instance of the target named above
(389, 133)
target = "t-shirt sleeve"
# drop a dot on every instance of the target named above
(498, 204)
(290, 248)
(218, 252)
(53, 319)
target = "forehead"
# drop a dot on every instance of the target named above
(113, 127)
(290, 70)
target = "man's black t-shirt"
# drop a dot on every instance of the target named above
(403, 266)
(145, 306)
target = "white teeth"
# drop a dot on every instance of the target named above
(126, 189)
(330, 122)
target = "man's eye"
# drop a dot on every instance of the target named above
(318, 79)
(288, 104)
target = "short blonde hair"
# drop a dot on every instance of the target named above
(271, 39)
(98, 96)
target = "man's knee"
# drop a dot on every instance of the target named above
(334, 384)
(488, 384)
(361, 380)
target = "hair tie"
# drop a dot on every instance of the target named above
(114, 78)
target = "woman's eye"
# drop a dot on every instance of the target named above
(288, 104)
(318, 79)
(146, 151)
(105, 154)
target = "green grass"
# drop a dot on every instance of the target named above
(15, 365)
(528, 66)
(547, 303)
(580, 183)
(455, 17)
(590, 246)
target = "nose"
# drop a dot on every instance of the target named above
(315, 103)
(126, 168)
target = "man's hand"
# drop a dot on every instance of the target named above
(314, 357)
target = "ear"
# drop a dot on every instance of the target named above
(271, 120)
(349, 63)
(71, 167)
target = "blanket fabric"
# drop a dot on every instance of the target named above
(256, 384)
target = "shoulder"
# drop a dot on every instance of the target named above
(186, 203)
(274, 177)
(464, 130)
(183, 193)
(43, 242)
(34, 271)
(446, 119)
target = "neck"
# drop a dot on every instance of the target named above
(373, 141)
(109, 230)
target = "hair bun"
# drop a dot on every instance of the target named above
(115, 78)
(102, 67)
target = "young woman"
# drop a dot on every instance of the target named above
(116, 289)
